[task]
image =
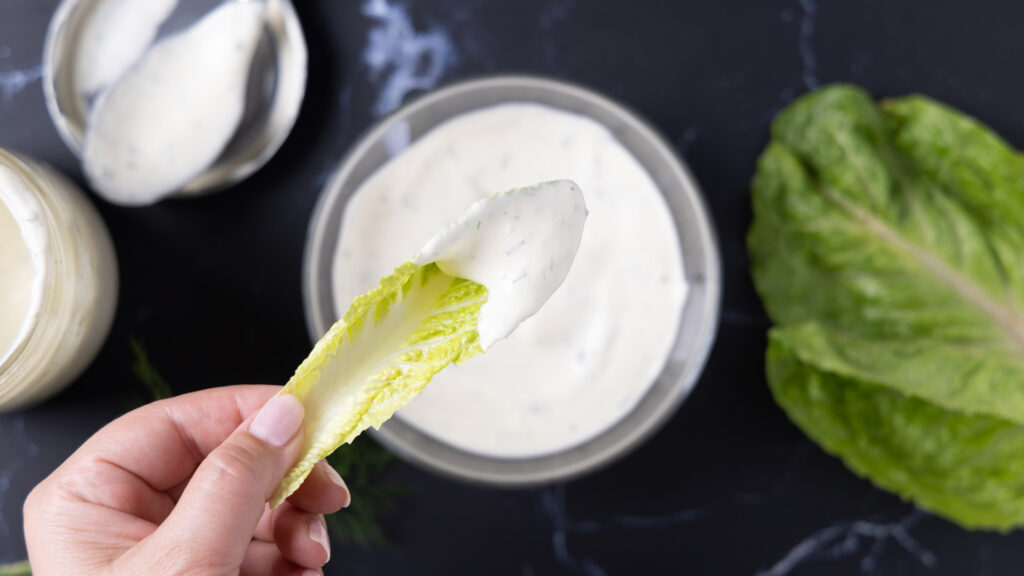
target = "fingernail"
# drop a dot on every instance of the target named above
(310, 573)
(278, 420)
(318, 534)
(336, 479)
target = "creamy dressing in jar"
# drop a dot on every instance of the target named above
(19, 300)
(587, 357)
(59, 275)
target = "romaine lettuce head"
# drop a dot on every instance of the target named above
(888, 244)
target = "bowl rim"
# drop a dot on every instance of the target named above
(521, 476)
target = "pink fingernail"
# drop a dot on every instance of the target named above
(278, 420)
(336, 479)
(318, 534)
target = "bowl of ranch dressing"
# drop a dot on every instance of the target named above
(619, 345)
(173, 97)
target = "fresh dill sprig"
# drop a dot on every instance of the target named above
(146, 374)
(17, 569)
(362, 464)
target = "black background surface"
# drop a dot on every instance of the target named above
(211, 286)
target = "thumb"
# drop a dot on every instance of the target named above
(214, 520)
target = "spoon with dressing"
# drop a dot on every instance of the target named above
(180, 96)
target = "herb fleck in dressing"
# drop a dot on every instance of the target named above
(507, 244)
(587, 357)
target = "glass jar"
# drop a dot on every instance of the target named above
(66, 300)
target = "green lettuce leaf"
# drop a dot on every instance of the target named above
(966, 467)
(379, 356)
(887, 243)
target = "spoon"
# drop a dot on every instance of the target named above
(274, 91)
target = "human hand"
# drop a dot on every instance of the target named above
(180, 487)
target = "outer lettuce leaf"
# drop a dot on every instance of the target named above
(962, 376)
(841, 201)
(966, 467)
(888, 241)
(379, 356)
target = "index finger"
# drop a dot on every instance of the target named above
(162, 443)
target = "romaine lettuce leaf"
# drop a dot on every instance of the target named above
(966, 467)
(887, 242)
(379, 356)
(461, 293)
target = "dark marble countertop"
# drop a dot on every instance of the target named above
(211, 286)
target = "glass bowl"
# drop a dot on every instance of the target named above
(702, 269)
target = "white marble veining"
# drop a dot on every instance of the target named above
(401, 58)
(554, 505)
(553, 502)
(860, 538)
(14, 81)
(808, 57)
(396, 60)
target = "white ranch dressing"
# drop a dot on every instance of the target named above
(519, 244)
(22, 261)
(587, 357)
(169, 117)
(114, 37)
